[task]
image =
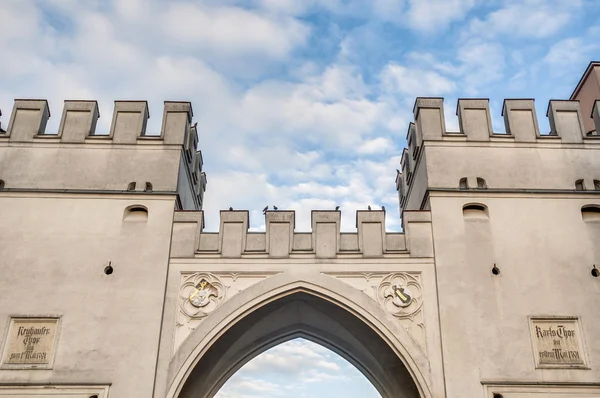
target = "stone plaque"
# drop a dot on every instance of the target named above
(31, 342)
(557, 342)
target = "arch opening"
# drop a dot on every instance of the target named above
(301, 314)
(590, 213)
(300, 367)
(475, 211)
(135, 213)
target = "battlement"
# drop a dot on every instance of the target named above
(125, 159)
(478, 158)
(281, 241)
(520, 120)
(78, 123)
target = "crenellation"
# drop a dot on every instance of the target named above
(79, 118)
(520, 119)
(411, 138)
(129, 121)
(187, 229)
(28, 119)
(87, 161)
(78, 121)
(429, 119)
(417, 229)
(201, 188)
(234, 227)
(400, 187)
(279, 240)
(280, 226)
(565, 120)
(474, 118)
(407, 168)
(177, 118)
(371, 232)
(326, 232)
(193, 139)
(475, 122)
(521, 159)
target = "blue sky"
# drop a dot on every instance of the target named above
(300, 104)
(303, 104)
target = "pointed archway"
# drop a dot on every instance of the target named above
(283, 308)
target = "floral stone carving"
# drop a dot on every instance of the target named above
(400, 294)
(200, 294)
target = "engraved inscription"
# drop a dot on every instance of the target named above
(557, 342)
(31, 341)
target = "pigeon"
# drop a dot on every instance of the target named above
(337, 208)
(265, 209)
(369, 207)
(397, 171)
(231, 209)
(275, 207)
(383, 208)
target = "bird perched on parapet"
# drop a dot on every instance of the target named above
(195, 124)
(383, 208)
(369, 207)
(2, 131)
(265, 209)
(231, 209)
(275, 207)
(397, 171)
(337, 208)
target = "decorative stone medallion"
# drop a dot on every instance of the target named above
(400, 294)
(200, 294)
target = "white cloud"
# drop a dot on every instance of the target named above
(482, 63)
(527, 19)
(376, 145)
(573, 51)
(250, 387)
(296, 357)
(389, 10)
(415, 81)
(233, 30)
(435, 15)
(297, 367)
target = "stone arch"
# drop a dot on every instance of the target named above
(402, 361)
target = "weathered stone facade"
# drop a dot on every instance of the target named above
(112, 288)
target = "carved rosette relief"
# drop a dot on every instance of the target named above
(200, 293)
(400, 294)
